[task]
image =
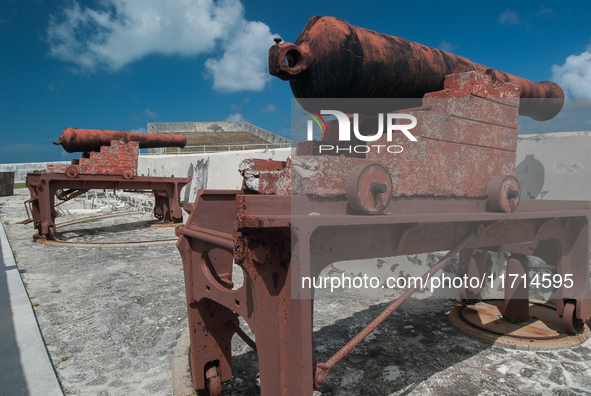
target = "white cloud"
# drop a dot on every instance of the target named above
(140, 130)
(235, 117)
(447, 46)
(124, 31)
(269, 108)
(151, 114)
(145, 114)
(509, 17)
(243, 65)
(574, 76)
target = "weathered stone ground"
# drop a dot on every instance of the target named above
(111, 317)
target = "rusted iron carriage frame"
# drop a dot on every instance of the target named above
(44, 186)
(276, 241)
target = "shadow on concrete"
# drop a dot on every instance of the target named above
(414, 343)
(12, 378)
(69, 232)
(531, 174)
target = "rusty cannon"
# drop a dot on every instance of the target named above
(333, 59)
(75, 140)
(108, 161)
(109, 152)
(450, 188)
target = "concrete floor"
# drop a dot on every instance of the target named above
(110, 318)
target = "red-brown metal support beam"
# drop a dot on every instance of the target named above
(44, 186)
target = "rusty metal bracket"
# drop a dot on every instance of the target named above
(43, 188)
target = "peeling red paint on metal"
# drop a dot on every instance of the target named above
(109, 162)
(268, 164)
(115, 159)
(297, 221)
(462, 145)
(86, 140)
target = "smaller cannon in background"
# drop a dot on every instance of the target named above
(109, 161)
(75, 140)
(109, 152)
(333, 59)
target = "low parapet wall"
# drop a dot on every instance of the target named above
(21, 170)
(548, 166)
(211, 171)
(555, 166)
(216, 126)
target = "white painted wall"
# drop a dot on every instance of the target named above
(21, 170)
(555, 165)
(211, 171)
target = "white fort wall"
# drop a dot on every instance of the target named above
(21, 170)
(555, 165)
(548, 166)
(209, 171)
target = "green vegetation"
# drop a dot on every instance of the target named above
(511, 319)
(19, 185)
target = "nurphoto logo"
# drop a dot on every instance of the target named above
(345, 131)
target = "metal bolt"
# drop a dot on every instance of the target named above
(378, 188)
(512, 194)
(278, 40)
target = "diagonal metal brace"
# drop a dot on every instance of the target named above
(322, 369)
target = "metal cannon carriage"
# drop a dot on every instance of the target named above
(293, 218)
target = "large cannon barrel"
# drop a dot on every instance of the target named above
(333, 59)
(75, 140)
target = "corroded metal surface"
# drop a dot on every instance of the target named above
(75, 140)
(462, 144)
(544, 331)
(118, 158)
(44, 187)
(108, 152)
(294, 218)
(108, 161)
(333, 59)
(275, 241)
(369, 188)
(504, 193)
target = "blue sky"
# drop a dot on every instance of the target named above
(119, 64)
